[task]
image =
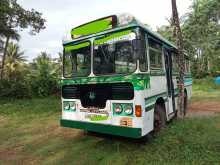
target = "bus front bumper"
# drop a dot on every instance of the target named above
(103, 128)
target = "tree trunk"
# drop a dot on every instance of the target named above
(181, 62)
(4, 56)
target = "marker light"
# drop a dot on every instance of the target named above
(138, 110)
(125, 19)
(128, 110)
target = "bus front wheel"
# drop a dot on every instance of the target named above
(159, 118)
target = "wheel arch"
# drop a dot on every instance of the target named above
(160, 101)
(160, 115)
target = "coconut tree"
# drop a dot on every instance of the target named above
(14, 61)
(14, 84)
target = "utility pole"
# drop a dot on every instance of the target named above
(181, 63)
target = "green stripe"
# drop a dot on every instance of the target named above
(74, 47)
(114, 35)
(187, 81)
(139, 81)
(103, 128)
(149, 108)
(152, 99)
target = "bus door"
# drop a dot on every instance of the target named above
(170, 86)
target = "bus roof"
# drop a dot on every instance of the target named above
(110, 24)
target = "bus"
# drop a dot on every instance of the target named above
(120, 78)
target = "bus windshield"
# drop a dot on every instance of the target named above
(112, 54)
(77, 59)
(114, 58)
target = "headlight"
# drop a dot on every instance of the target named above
(72, 106)
(66, 105)
(118, 109)
(128, 110)
(123, 109)
(69, 106)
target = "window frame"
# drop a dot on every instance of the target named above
(145, 53)
(161, 69)
(63, 59)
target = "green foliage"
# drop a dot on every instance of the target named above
(13, 84)
(43, 75)
(14, 62)
(206, 84)
(15, 16)
(201, 32)
(39, 78)
(167, 32)
(205, 89)
(14, 89)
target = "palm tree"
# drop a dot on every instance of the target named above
(14, 61)
(8, 34)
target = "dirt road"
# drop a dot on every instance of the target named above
(203, 108)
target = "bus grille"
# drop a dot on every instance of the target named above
(96, 95)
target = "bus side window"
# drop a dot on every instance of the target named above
(174, 62)
(155, 54)
(143, 58)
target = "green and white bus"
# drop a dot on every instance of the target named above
(119, 78)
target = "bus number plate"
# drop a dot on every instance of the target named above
(125, 121)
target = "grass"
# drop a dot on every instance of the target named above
(30, 134)
(205, 89)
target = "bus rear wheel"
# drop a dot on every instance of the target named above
(159, 118)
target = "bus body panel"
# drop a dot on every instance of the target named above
(148, 87)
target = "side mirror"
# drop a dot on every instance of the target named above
(139, 47)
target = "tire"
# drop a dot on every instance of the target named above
(159, 118)
(185, 103)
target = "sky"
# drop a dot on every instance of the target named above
(62, 15)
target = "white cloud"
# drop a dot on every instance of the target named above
(63, 15)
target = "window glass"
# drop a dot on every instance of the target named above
(77, 59)
(155, 54)
(114, 58)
